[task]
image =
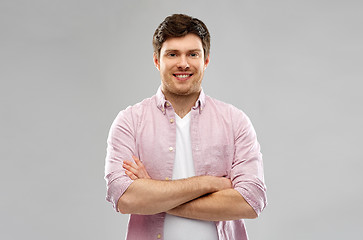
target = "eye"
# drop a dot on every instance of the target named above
(194, 54)
(171, 54)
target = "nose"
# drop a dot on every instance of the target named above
(183, 62)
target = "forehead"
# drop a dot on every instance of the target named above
(185, 43)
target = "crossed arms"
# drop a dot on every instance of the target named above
(132, 191)
(206, 198)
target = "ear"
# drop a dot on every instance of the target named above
(206, 62)
(156, 61)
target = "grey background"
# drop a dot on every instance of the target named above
(68, 67)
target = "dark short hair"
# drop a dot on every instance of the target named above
(179, 25)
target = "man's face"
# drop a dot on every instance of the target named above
(181, 65)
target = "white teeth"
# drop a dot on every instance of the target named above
(182, 76)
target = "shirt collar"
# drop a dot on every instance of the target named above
(162, 103)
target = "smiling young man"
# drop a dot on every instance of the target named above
(184, 165)
(181, 63)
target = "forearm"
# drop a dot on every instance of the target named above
(147, 196)
(218, 206)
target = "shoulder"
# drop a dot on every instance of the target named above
(229, 114)
(223, 108)
(139, 107)
(134, 113)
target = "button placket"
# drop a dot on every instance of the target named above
(170, 141)
(195, 139)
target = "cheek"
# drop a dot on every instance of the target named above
(200, 66)
(162, 70)
(165, 68)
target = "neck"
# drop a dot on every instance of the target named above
(182, 104)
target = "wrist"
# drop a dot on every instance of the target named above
(210, 184)
(215, 184)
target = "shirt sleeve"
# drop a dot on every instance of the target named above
(120, 147)
(247, 168)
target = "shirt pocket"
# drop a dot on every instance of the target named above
(217, 160)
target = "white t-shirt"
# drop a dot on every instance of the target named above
(178, 228)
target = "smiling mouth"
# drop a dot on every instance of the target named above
(182, 76)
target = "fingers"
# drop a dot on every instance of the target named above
(132, 167)
(137, 165)
(135, 169)
(131, 175)
(138, 161)
(131, 164)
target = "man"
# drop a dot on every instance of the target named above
(184, 165)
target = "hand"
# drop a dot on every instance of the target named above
(135, 170)
(226, 183)
(220, 183)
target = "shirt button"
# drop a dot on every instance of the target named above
(171, 120)
(159, 236)
(171, 149)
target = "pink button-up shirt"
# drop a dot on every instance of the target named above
(224, 143)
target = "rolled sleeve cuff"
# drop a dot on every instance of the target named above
(116, 189)
(256, 199)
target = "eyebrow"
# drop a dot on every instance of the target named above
(175, 50)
